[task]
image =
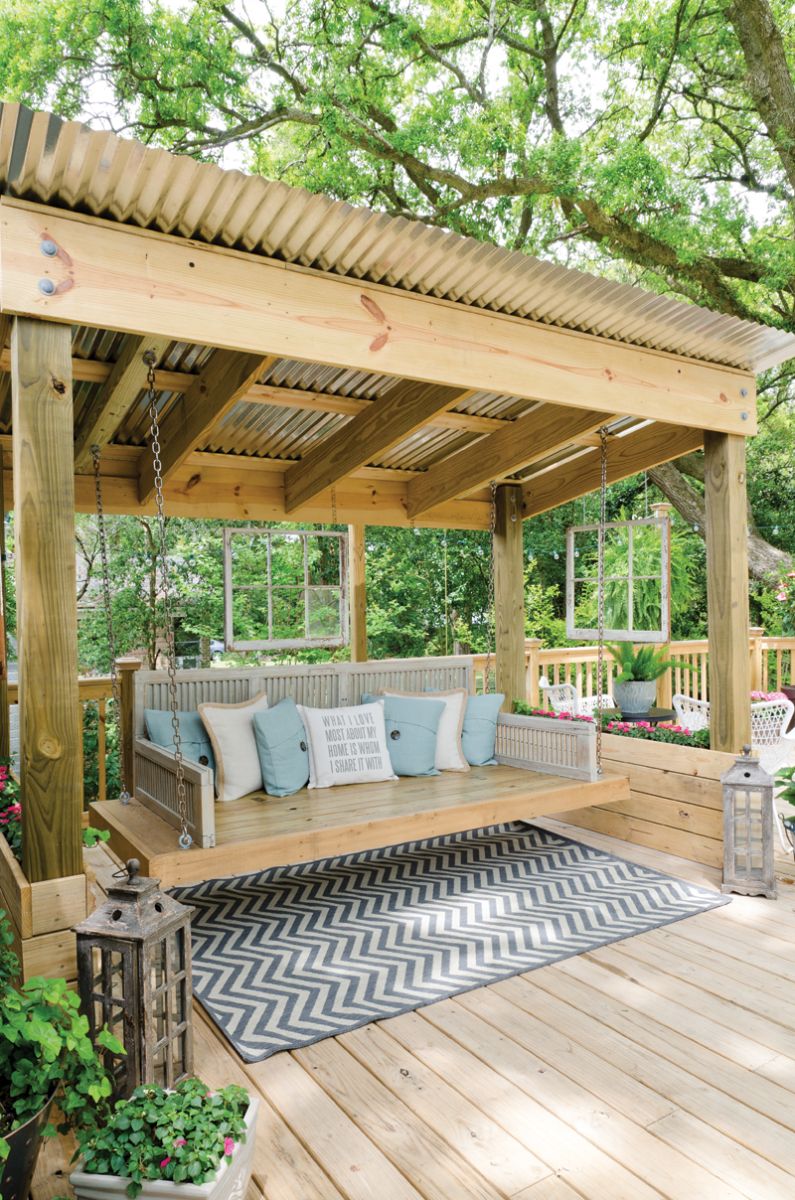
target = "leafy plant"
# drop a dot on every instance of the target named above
(44, 1048)
(9, 963)
(786, 777)
(643, 664)
(181, 1135)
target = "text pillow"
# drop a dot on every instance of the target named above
(193, 739)
(479, 735)
(346, 745)
(231, 729)
(411, 732)
(283, 750)
(449, 752)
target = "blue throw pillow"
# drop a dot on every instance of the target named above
(479, 734)
(411, 730)
(194, 742)
(282, 745)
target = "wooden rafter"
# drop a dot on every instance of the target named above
(627, 456)
(110, 275)
(226, 377)
(87, 370)
(126, 379)
(393, 417)
(527, 440)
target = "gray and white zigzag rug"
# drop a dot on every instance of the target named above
(293, 954)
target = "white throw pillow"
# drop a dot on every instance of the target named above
(346, 745)
(449, 751)
(231, 731)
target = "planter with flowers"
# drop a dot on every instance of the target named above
(185, 1144)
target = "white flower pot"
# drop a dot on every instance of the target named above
(230, 1183)
(636, 696)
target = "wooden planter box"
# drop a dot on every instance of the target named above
(675, 803)
(42, 915)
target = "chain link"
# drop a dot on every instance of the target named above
(600, 594)
(185, 839)
(124, 795)
(491, 616)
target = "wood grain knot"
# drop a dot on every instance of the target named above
(58, 385)
(50, 747)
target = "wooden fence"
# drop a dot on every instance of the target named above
(771, 667)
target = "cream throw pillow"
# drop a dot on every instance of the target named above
(231, 731)
(449, 751)
(346, 745)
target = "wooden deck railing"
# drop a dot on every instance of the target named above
(772, 665)
(95, 699)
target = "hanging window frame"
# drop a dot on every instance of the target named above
(578, 633)
(230, 588)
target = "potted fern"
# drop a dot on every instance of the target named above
(635, 687)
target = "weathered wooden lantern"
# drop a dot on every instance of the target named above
(748, 865)
(134, 975)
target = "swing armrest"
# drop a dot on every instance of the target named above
(155, 774)
(547, 745)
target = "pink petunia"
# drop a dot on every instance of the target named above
(229, 1146)
(165, 1161)
(180, 1142)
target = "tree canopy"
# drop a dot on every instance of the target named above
(648, 140)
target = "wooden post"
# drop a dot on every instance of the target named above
(727, 591)
(126, 668)
(533, 670)
(50, 730)
(755, 635)
(357, 593)
(5, 715)
(665, 682)
(509, 593)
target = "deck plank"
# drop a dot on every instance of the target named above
(663, 1066)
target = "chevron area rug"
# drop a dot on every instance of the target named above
(293, 954)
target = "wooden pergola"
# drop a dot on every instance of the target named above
(320, 362)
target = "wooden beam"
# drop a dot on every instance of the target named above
(106, 410)
(509, 612)
(115, 276)
(727, 592)
(88, 370)
(521, 442)
(627, 456)
(50, 722)
(406, 407)
(227, 377)
(357, 592)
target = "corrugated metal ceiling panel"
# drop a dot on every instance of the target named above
(68, 165)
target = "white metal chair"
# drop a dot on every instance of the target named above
(563, 697)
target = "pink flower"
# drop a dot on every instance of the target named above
(165, 1161)
(229, 1146)
(180, 1142)
(781, 595)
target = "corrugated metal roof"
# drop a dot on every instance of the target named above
(66, 164)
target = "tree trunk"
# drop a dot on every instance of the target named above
(764, 560)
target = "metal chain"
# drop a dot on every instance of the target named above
(490, 614)
(124, 795)
(333, 505)
(600, 593)
(185, 839)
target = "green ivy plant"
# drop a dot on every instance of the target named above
(182, 1135)
(9, 963)
(785, 776)
(45, 1048)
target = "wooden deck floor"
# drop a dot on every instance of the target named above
(661, 1066)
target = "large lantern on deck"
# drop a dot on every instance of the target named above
(748, 859)
(134, 975)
